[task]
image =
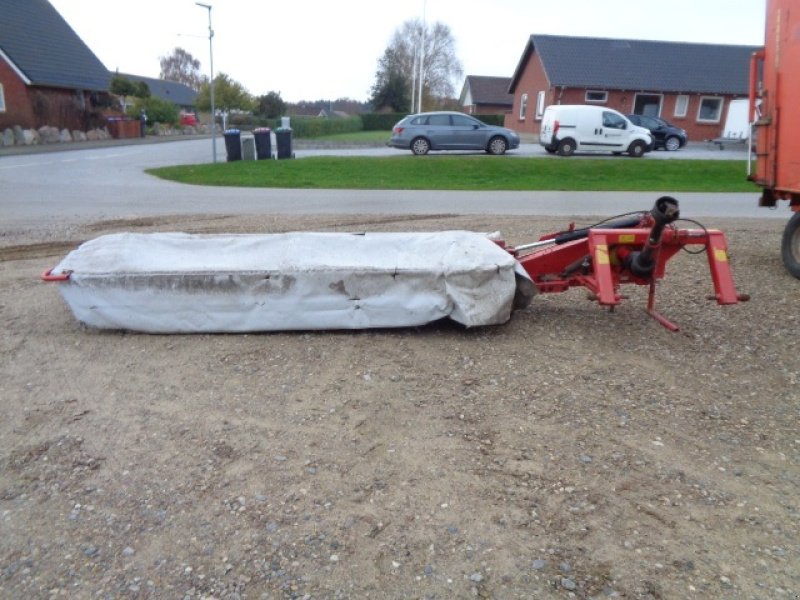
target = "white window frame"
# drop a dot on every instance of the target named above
(719, 114)
(660, 102)
(681, 105)
(540, 97)
(2, 99)
(604, 93)
(523, 106)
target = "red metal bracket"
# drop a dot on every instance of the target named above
(48, 276)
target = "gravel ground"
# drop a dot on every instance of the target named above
(573, 452)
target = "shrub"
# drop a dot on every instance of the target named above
(380, 121)
(156, 109)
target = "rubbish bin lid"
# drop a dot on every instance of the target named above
(261, 130)
(284, 129)
(231, 131)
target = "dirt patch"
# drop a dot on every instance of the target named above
(572, 452)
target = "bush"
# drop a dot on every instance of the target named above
(156, 109)
(498, 120)
(380, 121)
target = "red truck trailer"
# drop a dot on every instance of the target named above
(775, 115)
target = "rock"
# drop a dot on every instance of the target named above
(49, 135)
(78, 136)
(568, 584)
(92, 135)
(476, 578)
(565, 567)
(585, 459)
(30, 137)
(539, 564)
(128, 551)
(64, 136)
(19, 136)
(8, 137)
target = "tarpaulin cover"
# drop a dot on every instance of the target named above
(178, 282)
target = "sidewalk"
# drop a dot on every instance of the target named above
(64, 147)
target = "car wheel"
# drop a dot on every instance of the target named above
(790, 245)
(566, 147)
(637, 149)
(497, 146)
(420, 146)
(672, 143)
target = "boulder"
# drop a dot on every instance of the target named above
(8, 137)
(49, 135)
(30, 137)
(64, 136)
(92, 135)
(78, 136)
(19, 136)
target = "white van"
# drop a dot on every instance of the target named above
(567, 128)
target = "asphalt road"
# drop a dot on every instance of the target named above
(109, 182)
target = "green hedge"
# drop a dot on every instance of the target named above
(380, 121)
(498, 120)
(302, 127)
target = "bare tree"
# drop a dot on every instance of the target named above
(441, 67)
(182, 67)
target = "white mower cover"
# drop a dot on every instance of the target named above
(184, 283)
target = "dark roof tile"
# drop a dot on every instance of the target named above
(641, 64)
(489, 90)
(40, 43)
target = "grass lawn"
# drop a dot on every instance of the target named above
(474, 173)
(358, 137)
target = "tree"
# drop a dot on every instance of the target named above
(441, 67)
(228, 95)
(122, 86)
(182, 67)
(271, 105)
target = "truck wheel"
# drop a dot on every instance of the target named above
(790, 245)
(566, 147)
(637, 149)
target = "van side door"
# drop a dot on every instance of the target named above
(613, 134)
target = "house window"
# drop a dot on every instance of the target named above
(539, 105)
(596, 96)
(681, 105)
(648, 105)
(2, 99)
(710, 110)
(523, 106)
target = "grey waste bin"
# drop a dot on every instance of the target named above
(263, 137)
(283, 140)
(248, 148)
(233, 144)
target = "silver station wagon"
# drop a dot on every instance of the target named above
(424, 132)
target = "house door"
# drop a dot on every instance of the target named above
(648, 105)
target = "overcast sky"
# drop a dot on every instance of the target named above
(324, 49)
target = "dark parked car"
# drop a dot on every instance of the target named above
(423, 132)
(666, 135)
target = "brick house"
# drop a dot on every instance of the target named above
(48, 76)
(486, 95)
(690, 85)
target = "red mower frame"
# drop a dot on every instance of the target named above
(631, 251)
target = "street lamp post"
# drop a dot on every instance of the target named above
(211, 83)
(422, 59)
